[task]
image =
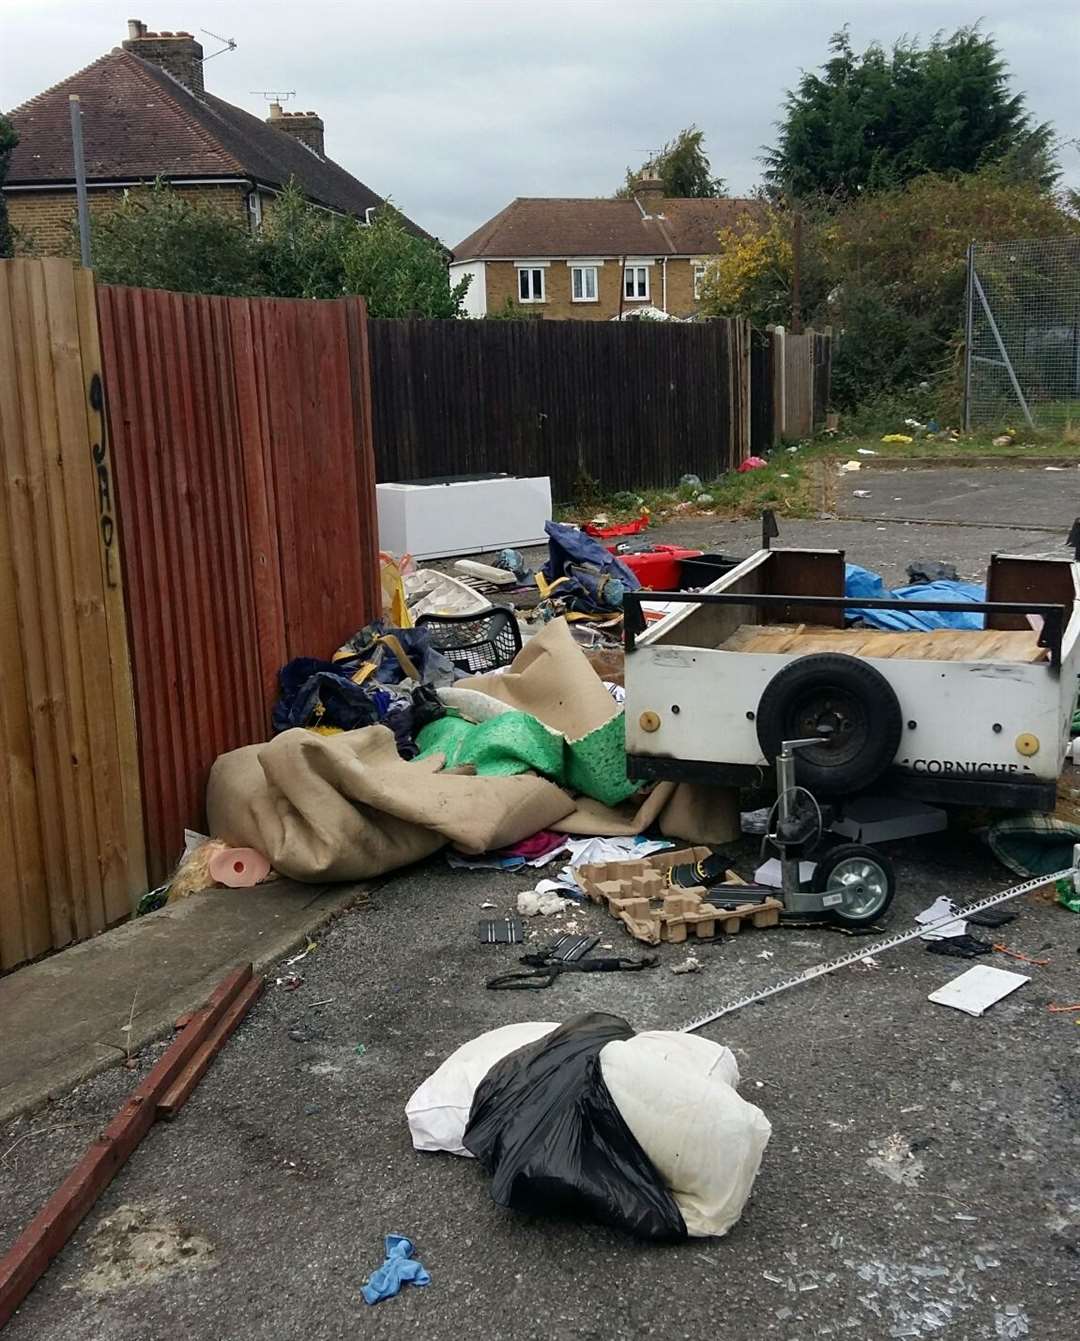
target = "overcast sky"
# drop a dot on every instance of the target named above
(454, 107)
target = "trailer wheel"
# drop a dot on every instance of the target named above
(862, 877)
(843, 699)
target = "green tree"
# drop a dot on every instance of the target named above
(876, 121)
(157, 238)
(8, 141)
(682, 165)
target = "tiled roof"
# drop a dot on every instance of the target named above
(139, 123)
(551, 226)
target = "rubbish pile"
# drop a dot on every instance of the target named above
(645, 1132)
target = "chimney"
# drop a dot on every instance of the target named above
(649, 193)
(177, 53)
(307, 127)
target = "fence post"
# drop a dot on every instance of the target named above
(781, 378)
(969, 328)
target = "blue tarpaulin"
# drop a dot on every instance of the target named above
(862, 582)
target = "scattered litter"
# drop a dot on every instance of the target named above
(860, 493)
(765, 954)
(897, 437)
(531, 904)
(940, 908)
(311, 945)
(1011, 1322)
(751, 463)
(1015, 954)
(970, 1219)
(897, 1162)
(488, 904)
(755, 821)
(360, 1049)
(691, 964)
(850, 466)
(770, 873)
(501, 930)
(704, 498)
(238, 867)
(1053, 467)
(290, 982)
(868, 965)
(326, 1000)
(1002, 440)
(690, 482)
(958, 947)
(978, 989)
(400, 1268)
(866, 451)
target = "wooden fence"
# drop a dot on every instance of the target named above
(630, 404)
(241, 436)
(71, 838)
(800, 370)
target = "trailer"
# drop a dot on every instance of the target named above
(763, 670)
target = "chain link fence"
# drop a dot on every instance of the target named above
(1023, 334)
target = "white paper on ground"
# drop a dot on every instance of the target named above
(941, 907)
(770, 872)
(978, 989)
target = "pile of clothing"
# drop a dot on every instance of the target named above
(382, 675)
(582, 580)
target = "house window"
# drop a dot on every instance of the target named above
(583, 283)
(255, 213)
(531, 285)
(637, 282)
(699, 278)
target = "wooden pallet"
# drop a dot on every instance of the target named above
(639, 895)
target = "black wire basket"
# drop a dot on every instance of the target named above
(476, 643)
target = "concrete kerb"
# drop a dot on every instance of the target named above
(50, 1079)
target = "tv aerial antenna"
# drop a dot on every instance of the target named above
(278, 95)
(229, 44)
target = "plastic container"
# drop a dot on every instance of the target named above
(702, 569)
(659, 569)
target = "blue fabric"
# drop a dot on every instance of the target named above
(862, 582)
(569, 548)
(400, 1268)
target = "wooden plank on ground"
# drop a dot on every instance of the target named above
(58, 1219)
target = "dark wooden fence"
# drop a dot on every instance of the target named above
(630, 404)
(241, 444)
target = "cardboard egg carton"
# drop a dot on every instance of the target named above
(637, 893)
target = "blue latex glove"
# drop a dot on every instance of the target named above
(400, 1268)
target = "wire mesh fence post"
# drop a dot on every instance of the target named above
(1022, 326)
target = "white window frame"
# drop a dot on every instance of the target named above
(532, 268)
(584, 268)
(700, 268)
(637, 270)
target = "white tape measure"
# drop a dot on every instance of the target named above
(871, 951)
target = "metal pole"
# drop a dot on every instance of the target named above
(80, 178)
(977, 283)
(969, 331)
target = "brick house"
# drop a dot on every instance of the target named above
(147, 115)
(594, 259)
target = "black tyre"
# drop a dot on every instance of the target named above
(862, 877)
(842, 698)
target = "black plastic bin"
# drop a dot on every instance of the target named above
(706, 568)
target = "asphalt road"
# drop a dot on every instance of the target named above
(1039, 496)
(261, 1210)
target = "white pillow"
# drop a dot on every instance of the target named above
(438, 1111)
(676, 1094)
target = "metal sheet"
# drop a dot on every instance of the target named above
(241, 437)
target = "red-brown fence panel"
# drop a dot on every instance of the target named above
(241, 439)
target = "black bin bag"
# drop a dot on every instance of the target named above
(547, 1131)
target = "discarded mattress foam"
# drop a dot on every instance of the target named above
(643, 1131)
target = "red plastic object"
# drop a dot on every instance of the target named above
(661, 568)
(620, 528)
(751, 463)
